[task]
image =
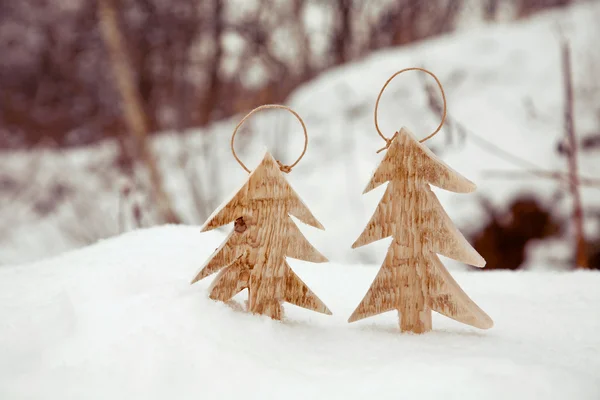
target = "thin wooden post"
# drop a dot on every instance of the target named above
(577, 216)
(132, 106)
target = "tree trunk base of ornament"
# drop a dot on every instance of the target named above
(271, 308)
(415, 321)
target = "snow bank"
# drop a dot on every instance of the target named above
(119, 320)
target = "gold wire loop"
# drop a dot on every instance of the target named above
(284, 168)
(389, 141)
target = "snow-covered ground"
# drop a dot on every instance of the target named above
(119, 320)
(503, 83)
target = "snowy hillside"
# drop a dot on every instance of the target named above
(119, 320)
(503, 84)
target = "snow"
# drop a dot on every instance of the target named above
(119, 320)
(503, 83)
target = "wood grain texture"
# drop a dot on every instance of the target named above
(412, 280)
(253, 256)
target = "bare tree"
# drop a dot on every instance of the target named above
(526, 8)
(212, 92)
(132, 105)
(490, 10)
(342, 36)
(302, 39)
(572, 155)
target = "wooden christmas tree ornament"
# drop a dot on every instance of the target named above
(253, 256)
(412, 280)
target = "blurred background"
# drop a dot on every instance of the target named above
(117, 114)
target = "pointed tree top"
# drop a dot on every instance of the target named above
(407, 156)
(265, 183)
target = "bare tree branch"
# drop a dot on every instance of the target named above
(555, 175)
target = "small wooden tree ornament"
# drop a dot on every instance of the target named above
(254, 254)
(412, 280)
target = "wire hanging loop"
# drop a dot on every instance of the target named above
(388, 142)
(282, 167)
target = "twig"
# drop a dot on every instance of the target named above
(478, 140)
(555, 175)
(580, 255)
(490, 147)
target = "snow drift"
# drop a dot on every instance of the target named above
(120, 320)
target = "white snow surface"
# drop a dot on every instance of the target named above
(119, 320)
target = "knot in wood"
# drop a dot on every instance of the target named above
(240, 225)
(284, 168)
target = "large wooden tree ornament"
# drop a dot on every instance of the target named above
(412, 280)
(253, 256)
